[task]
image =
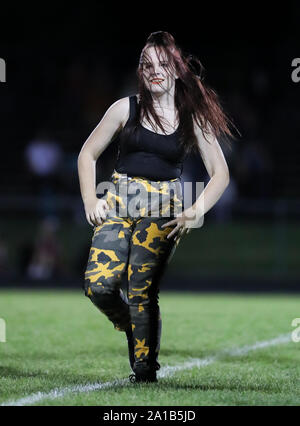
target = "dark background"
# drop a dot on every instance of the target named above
(66, 64)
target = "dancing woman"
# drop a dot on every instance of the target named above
(173, 113)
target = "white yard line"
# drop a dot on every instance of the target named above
(162, 373)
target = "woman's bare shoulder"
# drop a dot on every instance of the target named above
(121, 105)
(119, 110)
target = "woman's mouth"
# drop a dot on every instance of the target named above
(157, 80)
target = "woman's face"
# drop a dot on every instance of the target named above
(157, 73)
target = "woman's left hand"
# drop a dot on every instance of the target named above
(183, 223)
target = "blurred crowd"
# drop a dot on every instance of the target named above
(51, 109)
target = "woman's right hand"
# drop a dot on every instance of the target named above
(96, 211)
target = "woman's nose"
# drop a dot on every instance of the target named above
(157, 68)
(157, 71)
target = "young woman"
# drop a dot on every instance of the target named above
(173, 113)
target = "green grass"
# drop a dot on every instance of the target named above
(58, 339)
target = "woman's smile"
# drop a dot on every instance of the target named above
(157, 80)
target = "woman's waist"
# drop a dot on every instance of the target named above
(124, 176)
(149, 166)
(132, 185)
(134, 191)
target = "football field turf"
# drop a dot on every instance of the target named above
(225, 349)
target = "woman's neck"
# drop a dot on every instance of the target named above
(165, 100)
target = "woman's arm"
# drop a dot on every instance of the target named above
(217, 169)
(216, 166)
(112, 121)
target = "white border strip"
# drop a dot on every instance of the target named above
(166, 371)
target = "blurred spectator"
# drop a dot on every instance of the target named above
(44, 157)
(45, 262)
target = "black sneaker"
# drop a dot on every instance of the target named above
(144, 373)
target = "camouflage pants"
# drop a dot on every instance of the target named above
(132, 243)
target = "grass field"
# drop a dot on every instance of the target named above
(58, 340)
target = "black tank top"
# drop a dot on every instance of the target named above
(149, 154)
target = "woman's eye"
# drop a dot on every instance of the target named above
(164, 64)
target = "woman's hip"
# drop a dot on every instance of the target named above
(138, 196)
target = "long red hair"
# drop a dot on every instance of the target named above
(195, 101)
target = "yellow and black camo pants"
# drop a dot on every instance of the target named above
(134, 244)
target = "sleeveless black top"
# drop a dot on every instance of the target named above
(148, 154)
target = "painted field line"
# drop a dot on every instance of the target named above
(166, 371)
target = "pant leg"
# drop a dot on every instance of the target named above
(149, 253)
(108, 259)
